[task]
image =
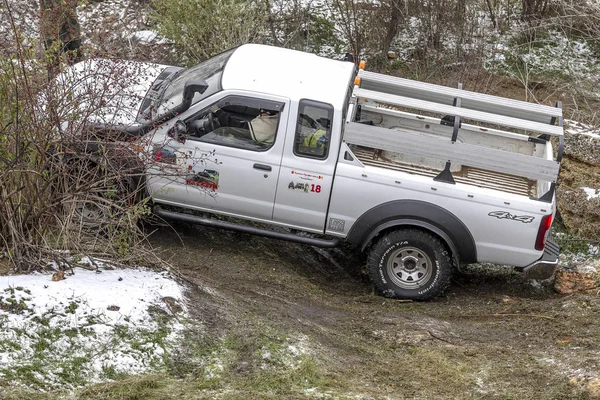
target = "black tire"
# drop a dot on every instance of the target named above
(410, 264)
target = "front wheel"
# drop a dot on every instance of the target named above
(410, 264)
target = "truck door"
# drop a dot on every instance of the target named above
(308, 167)
(232, 153)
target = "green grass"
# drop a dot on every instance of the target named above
(573, 246)
(145, 387)
(59, 356)
(11, 304)
(255, 359)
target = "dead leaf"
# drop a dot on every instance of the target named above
(58, 276)
(593, 388)
(563, 341)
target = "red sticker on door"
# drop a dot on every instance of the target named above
(304, 187)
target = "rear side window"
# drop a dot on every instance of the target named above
(313, 129)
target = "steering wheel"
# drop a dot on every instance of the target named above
(212, 122)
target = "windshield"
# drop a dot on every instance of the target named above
(172, 92)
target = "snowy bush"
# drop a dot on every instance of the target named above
(204, 28)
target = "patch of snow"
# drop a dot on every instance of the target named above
(289, 354)
(111, 19)
(481, 386)
(149, 37)
(99, 323)
(566, 370)
(214, 365)
(579, 128)
(556, 55)
(587, 269)
(145, 36)
(591, 193)
(294, 350)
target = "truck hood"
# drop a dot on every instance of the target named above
(105, 91)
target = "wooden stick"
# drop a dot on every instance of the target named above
(510, 315)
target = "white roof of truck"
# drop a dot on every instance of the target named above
(288, 73)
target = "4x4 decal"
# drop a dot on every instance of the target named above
(526, 219)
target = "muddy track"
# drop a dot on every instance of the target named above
(492, 335)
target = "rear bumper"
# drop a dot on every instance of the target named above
(545, 267)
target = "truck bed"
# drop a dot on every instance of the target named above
(454, 135)
(467, 175)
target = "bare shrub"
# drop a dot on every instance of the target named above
(302, 25)
(66, 187)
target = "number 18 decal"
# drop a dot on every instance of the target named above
(315, 188)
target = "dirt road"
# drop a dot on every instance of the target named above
(281, 320)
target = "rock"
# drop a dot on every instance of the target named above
(578, 278)
(113, 308)
(505, 299)
(392, 55)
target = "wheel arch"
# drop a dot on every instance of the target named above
(419, 214)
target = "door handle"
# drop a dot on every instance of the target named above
(262, 167)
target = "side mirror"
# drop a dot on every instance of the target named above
(190, 88)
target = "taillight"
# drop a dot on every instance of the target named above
(540, 241)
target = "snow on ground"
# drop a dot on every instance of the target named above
(578, 128)
(145, 36)
(289, 354)
(108, 19)
(89, 327)
(591, 193)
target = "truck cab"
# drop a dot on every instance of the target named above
(281, 177)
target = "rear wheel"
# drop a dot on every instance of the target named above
(410, 264)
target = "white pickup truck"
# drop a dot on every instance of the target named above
(421, 177)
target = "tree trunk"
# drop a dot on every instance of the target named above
(393, 25)
(60, 32)
(271, 24)
(348, 20)
(492, 14)
(534, 9)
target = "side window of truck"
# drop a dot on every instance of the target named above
(237, 121)
(313, 129)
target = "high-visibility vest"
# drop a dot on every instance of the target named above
(316, 140)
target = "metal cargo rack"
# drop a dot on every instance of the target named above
(389, 95)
